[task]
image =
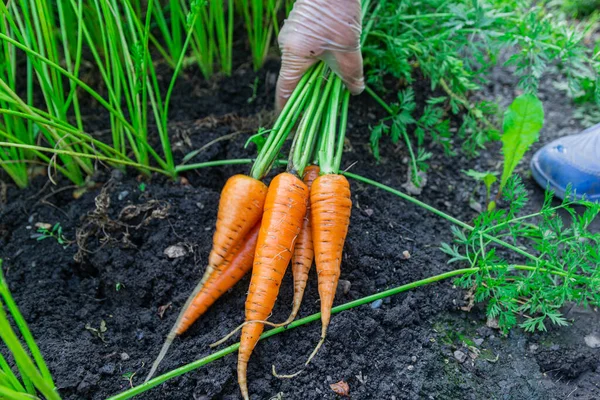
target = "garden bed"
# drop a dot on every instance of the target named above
(411, 346)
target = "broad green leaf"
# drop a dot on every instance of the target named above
(522, 124)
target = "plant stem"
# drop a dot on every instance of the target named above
(309, 125)
(90, 156)
(285, 122)
(439, 213)
(22, 325)
(327, 150)
(303, 321)
(218, 163)
(342, 129)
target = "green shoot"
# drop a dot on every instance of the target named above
(522, 124)
(260, 18)
(55, 233)
(34, 373)
(488, 179)
(307, 132)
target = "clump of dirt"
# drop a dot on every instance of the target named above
(416, 345)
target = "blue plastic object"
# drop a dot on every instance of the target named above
(571, 159)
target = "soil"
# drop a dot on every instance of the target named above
(411, 346)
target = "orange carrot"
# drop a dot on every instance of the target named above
(235, 266)
(303, 256)
(330, 217)
(240, 209)
(284, 211)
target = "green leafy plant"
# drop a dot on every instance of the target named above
(56, 233)
(260, 18)
(446, 51)
(523, 121)
(560, 264)
(521, 128)
(488, 179)
(580, 8)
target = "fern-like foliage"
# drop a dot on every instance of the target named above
(552, 258)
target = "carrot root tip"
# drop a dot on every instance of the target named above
(316, 350)
(295, 374)
(233, 332)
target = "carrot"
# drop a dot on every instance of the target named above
(303, 256)
(235, 266)
(284, 211)
(240, 209)
(330, 217)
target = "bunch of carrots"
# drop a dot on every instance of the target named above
(301, 217)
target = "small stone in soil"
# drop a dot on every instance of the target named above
(175, 251)
(124, 356)
(108, 369)
(123, 194)
(460, 356)
(376, 304)
(592, 341)
(533, 347)
(413, 359)
(492, 323)
(344, 285)
(406, 254)
(478, 342)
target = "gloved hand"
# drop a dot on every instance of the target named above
(327, 30)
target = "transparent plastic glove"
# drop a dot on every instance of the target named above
(327, 30)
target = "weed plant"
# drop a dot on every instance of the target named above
(452, 48)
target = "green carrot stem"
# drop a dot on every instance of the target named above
(309, 125)
(303, 321)
(285, 122)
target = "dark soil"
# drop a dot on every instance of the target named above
(404, 348)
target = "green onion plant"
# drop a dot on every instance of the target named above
(34, 374)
